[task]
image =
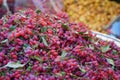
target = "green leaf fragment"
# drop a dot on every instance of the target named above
(86, 37)
(54, 30)
(4, 19)
(38, 11)
(110, 61)
(35, 46)
(44, 41)
(25, 45)
(114, 52)
(14, 65)
(12, 49)
(83, 70)
(63, 73)
(12, 28)
(4, 41)
(44, 29)
(2, 73)
(105, 48)
(64, 53)
(60, 74)
(37, 58)
(65, 26)
(73, 76)
(81, 32)
(29, 68)
(20, 53)
(91, 47)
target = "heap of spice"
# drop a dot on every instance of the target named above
(37, 46)
(95, 13)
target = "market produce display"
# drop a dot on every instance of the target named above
(95, 13)
(36, 46)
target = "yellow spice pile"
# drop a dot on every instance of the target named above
(95, 13)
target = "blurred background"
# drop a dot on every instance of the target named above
(99, 15)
